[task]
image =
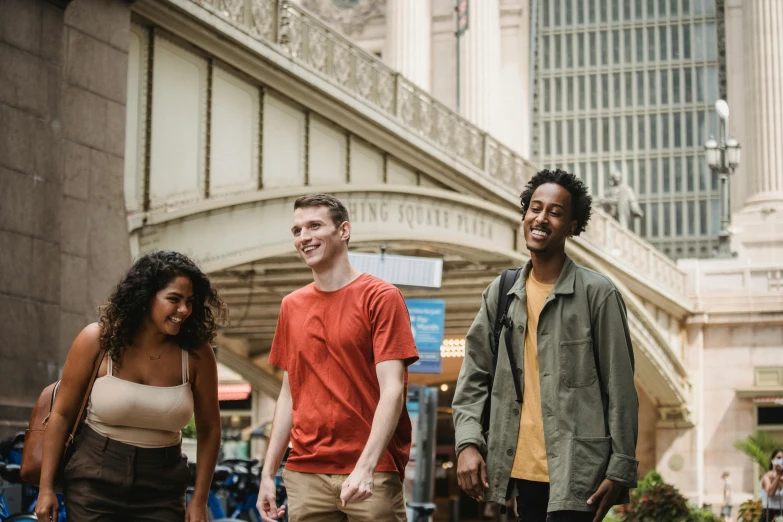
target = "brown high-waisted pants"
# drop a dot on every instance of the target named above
(108, 481)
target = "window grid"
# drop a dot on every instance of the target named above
(637, 97)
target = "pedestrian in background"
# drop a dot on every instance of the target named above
(344, 343)
(564, 410)
(159, 368)
(725, 510)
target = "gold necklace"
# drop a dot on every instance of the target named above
(152, 358)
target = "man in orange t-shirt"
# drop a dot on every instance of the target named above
(344, 343)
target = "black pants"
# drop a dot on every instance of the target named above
(532, 500)
(769, 513)
(108, 481)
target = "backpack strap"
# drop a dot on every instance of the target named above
(507, 280)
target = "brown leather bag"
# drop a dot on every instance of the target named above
(32, 454)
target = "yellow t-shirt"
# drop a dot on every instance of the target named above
(530, 460)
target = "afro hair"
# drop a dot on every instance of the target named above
(581, 202)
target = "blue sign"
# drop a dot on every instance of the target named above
(427, 316)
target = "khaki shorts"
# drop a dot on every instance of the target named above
(314, 497)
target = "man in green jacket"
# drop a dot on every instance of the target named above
(562, 439)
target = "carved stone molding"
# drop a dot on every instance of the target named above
(349, 16)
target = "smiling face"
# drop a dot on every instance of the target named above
(172, 305)
(317, 239)
(547, 222)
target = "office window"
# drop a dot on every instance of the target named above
(628, 89)
(703, 217)
(569, 51)
(629, 143)
(594, 178)
(570, 131)
(666, 175)
(690, 172)
(570, 93)
(654, 177)
(616, 91)
(582, 136)
(642, 178)
(667, 219)
(580, 49)
(558, 53)
(654, 219)
(640, 45)
(691, 218)
(593, 48)
(664, 86)
(569, 13)
(593, 91)
(662, 44)
(678, 182)
(593, 134)
(626, 10)
(640, 88)
(582, 91)
(688, 91)
(677, 131)
(676, 86)
(558, 94)
(627, 46)
(653, 132)
(662, 8)
(679, 226)
(605, 134)
(593, 11)
(665, 131)
(615, 10)
(652, 90)
(604, 48)
(640, 132)
(675, 33)
(689, 129)
(618, 133)
(686, 41)
(558, 137)
(605, 91)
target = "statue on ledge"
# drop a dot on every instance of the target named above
(620, 201)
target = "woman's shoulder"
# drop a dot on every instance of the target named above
(88, 339)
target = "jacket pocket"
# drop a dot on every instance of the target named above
(589, 458)
(577, 365)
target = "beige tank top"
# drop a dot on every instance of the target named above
(138, 414)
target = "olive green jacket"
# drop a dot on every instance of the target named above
(588, 398)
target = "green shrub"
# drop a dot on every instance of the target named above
(703, 515)
(189, 431)
(759, 447)
(750, 511)
(656, 501)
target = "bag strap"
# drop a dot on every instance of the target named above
(80, 417)
(508, 277)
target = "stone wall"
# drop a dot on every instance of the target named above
(63, 232)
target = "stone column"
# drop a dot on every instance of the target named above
(763, 146)
(408, 39)
(480, 64)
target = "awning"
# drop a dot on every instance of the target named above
(233, 392)
(776, 399)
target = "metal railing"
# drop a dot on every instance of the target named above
(303, 37)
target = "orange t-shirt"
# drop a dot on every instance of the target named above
(329, 343)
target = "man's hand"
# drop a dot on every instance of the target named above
(608, 493)
(472, 473)
(267, 501)
(357, 487)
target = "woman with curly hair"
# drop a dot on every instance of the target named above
(158, 370)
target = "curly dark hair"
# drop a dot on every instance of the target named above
(581, 202)
(772, 457)
(129, 303)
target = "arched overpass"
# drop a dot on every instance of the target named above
(229, 121)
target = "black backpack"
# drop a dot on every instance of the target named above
(507, 279)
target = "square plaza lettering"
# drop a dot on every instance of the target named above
(415, 216)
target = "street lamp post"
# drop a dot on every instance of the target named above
(723, 157)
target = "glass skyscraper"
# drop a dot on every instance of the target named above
(630, 85)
